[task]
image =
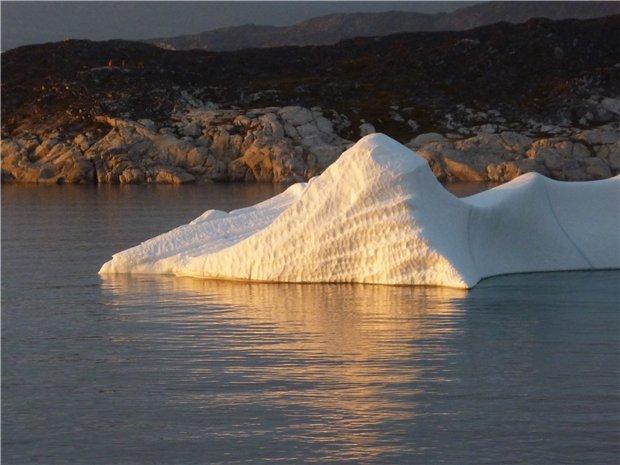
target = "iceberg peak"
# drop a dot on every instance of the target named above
(379, 152)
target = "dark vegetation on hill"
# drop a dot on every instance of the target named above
(541, 69)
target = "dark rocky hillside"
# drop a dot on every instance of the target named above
(329, 29)
(251, 110)
(542, 70)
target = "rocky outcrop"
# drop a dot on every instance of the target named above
(274, 144)
(578, 155)
(289, 144)
(485, 104)
(48, 160)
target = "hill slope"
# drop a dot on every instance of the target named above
(541, 69)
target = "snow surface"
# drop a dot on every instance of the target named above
(378, 215)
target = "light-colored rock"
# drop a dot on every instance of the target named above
(603, 135)
(614, 157)
(324, 125)
(597, 168)
(242, 120)
(291, 132)
(196, 157)
(515, 141)
(489, 128)
(222, 147)
(527, 165)
(192, 130)
(413, 125)
(45, 147)
(580, 151)
(148, 124)
(424, 139)
(272, 125)
(203, 141)
(460, 170)
(395, 116)
(502, 171)
(366, 128)
(82, 142)
(132, 175)
(550, 158)
(612, 105)
(11, 150)
(173, 176)
(572, 174)
(295, 115)
(307, 130)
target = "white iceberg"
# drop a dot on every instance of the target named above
(378, 215)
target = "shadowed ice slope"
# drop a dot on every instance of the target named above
(378, 215)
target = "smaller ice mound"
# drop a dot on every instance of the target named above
(209, 233)
(378, 215)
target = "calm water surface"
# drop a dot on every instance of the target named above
(523, 369)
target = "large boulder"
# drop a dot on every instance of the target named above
(596, 168)
(295, 116)
(132, 175)
(424, 139)
(167, 175)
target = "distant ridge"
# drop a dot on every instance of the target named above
(330, 29)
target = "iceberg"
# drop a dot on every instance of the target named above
(378, 215)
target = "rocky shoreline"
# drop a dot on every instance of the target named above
(203, 143)
(272, 144)
(486, 104)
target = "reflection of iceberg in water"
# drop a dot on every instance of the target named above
(369, 374)
(378, 215)
(328, 358)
